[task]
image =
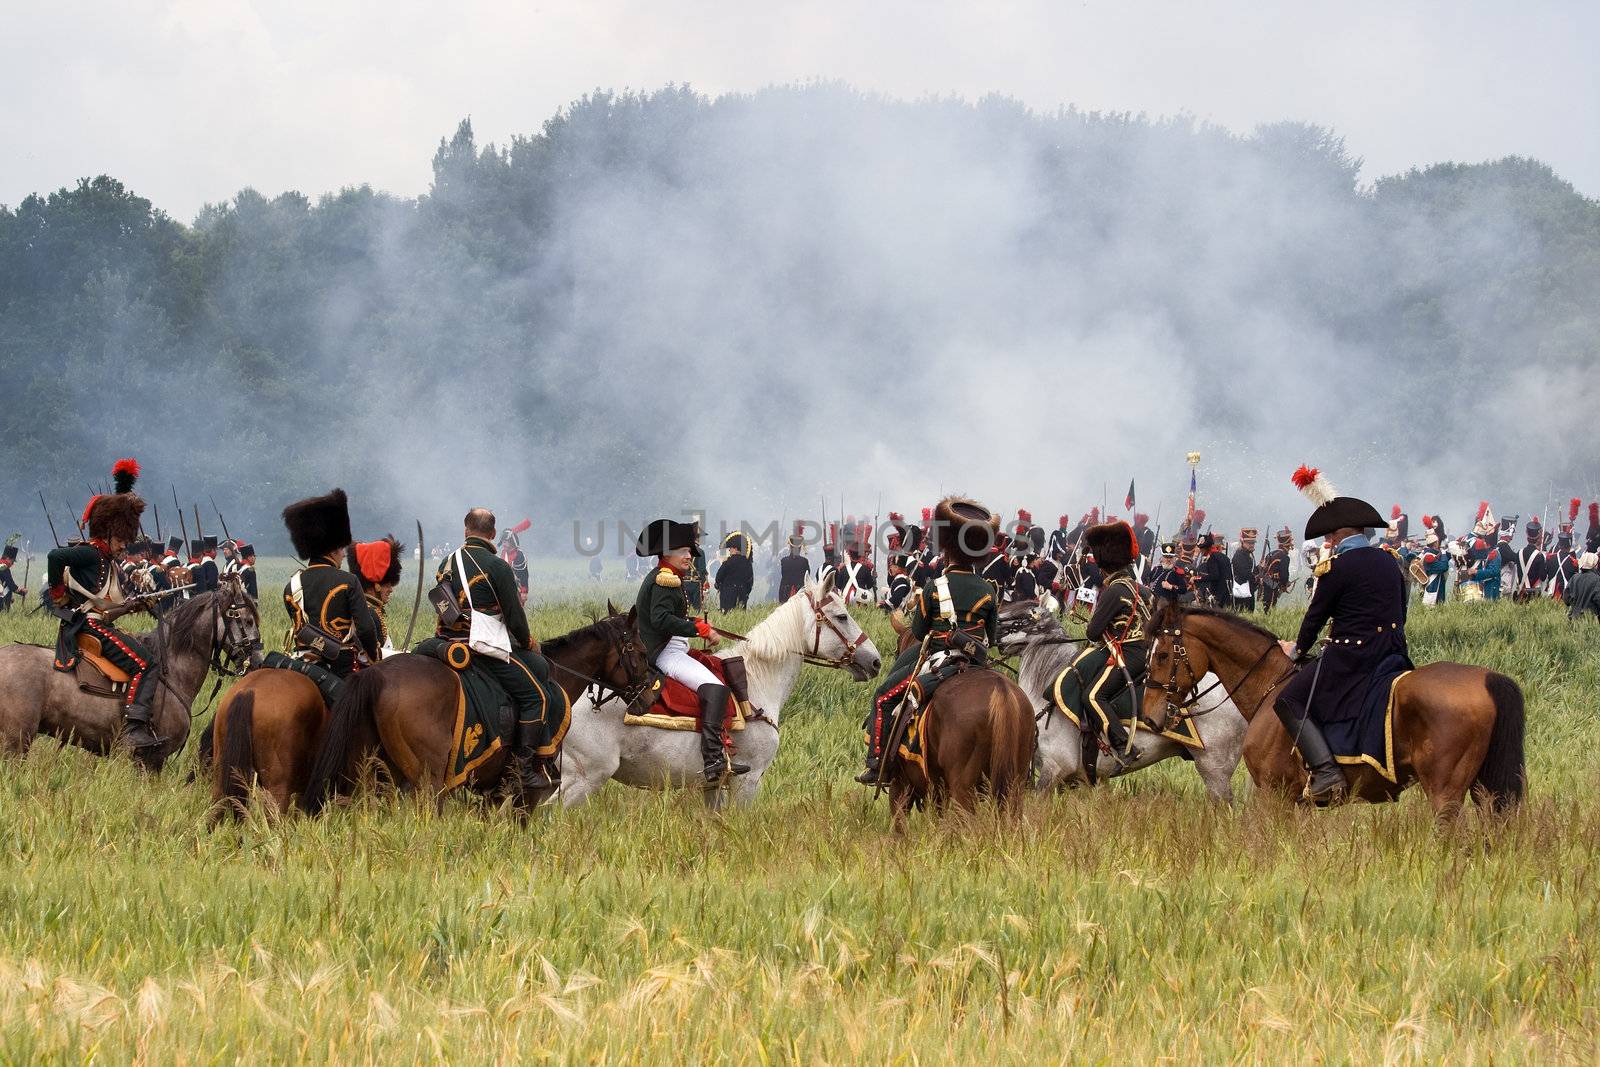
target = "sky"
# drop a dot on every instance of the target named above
(189, 101)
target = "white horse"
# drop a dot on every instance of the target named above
(813, 626)
(1045, 650)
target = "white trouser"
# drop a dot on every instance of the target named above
(675, 663)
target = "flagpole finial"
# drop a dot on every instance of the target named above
(1194, 459)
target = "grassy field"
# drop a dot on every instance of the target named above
(1134, 923)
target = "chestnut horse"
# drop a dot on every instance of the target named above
(1456, 727)
(978, 738)
(401, 709)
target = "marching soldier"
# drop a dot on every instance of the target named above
(737, 576)
(958, 610)
(1592, 539)
(1564, 565)
(899, 583)
(511, 552)
(1275, 572)
(1146, 536)
(1059, 547)
(794, 568)
(1118, 640)
(1243, 565)
(330, 625)
(1215, 572)
(86, 594)
(489, 585)
(1046, 575)
(1360, 590)
(9, 588)
(666, 628)
(1533, 564)
(857, 579)
(208, 578)
(998, 570)
(377, 565)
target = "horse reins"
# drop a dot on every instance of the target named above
(815, 657)
(1180, 653)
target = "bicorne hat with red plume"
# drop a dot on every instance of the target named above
(1333, 512)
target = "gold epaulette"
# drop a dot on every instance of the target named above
(666, 577)
(1322, 568)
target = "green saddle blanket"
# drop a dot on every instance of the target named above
(483, 720)
(1066, 693)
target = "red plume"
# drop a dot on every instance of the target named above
(522, 527)
(1395, 512)
(895, 516)
(84, 521)
(1064, 521)
(1483, 506)
(1304, 476)
(1199, 516)
(927, 514)
(1572, 509)
(1427, 521)
(1094, 514)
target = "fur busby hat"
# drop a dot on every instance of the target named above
(116, 515)
(1334, 512)
(376, 562)
(1113, 544)
(964, 530)
(665, 535)
(319, 525)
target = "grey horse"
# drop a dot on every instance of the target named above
(1036, 635)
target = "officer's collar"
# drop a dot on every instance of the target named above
(958, 570)
(1355, 540)
(480, 541)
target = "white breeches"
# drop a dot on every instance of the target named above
(674, 662)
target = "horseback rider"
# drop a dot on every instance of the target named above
(1118, 639)
(86, 594)
(376, 564)
(666, 628)
(489, 585)
(330, 626)
(1360, 590)
(957, 611)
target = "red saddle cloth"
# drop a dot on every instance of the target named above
(675, 698)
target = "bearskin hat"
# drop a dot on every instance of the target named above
(319, 525)
(964, 530)
(1113, 544)
(116, 515)
(376, 562)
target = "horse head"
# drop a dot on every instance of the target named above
(236, 624)
(832, 637)
(627, 669)
(1023, 621)
(1178, 661)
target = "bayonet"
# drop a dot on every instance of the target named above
(183, 527)
(53, 535)
(220, 519)
(199, 530)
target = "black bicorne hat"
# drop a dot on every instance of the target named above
(319, 525)
(1333, 512)
(665, 535)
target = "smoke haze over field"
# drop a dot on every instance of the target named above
(740, 304)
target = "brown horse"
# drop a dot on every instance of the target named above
(978, 739)
(190, 639)
(1456, 727)
(407, 704)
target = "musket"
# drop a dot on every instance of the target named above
(223, 521)
(875, 517)
(416, 603)
(183, 527)
(53, 535)
(27, 567)
(199, 530)
(157, 508)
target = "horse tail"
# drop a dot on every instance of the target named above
(1009, 754)
(354, 708)
(236, 763)
(1503, 778)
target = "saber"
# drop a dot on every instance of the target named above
(416, 603)
(53, 535)
(220, 519)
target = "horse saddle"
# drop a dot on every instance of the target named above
(671, 705)
(327, 683)
(97, 675)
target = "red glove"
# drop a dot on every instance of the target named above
(703, 628)
(58, 596)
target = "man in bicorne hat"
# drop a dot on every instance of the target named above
(1360, 591)
(736, 577)
(666, 628)
(794, 568)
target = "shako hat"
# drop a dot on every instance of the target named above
(319, 525)
(1333, 512)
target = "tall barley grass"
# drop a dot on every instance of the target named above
(1133, 923)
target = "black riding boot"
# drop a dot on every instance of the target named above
(713, 712)
(532, 772)
(138, 732)
(1327, 785)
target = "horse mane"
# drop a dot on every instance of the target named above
(600, 628)
(1228, 618)
(185, 632)
(783, 631)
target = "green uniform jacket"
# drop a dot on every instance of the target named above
(493, 589)
(1121, 619)
(976, 604)
(90, 569)
(335, 605)
(663, 611)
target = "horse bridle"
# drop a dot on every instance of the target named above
(602, 691)
(1180, 654)
(815, 657)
